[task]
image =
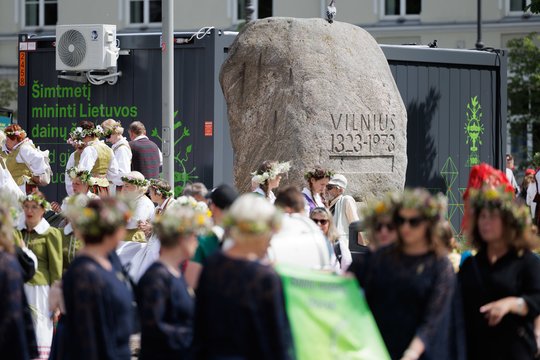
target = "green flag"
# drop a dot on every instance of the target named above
(329, 317)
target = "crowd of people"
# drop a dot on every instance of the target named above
(195, 275)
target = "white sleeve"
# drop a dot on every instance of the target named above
(123, 157)
(531, 193)
(112, 172)
(70, 163)
(88, 158)
(31, 255)
(33, 158)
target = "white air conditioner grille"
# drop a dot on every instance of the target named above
(72, 48)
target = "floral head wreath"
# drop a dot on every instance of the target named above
(254, 227)
(137, 182)
(181, 219)
(279, 168)
(377, 208)
(40, 200)
(112, 130)
(14, 133)
(79, 133)
(318, 174)
(91, 221)
(489, 197)
(84, 175)
(432, 207)
(154, 184)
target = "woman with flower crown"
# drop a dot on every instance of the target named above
(410, 285)
(162, 195)
(27, 164)
(239, 311)
(317, 179)
(75, 140)
(113, 132)
(17, 337)
(46, 243)
(379, 222)
(98, 302)
(97, 158)
(165, 303)
(500, 285)
(268, 176)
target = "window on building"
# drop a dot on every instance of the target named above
(263, 9)
(40, 13)
(517, 6)
(144, 11)
(401, 8)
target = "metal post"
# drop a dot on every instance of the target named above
(167, 89)
(479, 44)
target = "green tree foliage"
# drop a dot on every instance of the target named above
(524, 85)
(8, 93)
(534, 6)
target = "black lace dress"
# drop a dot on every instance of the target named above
(99, 309)
(240, 312)
(17, 337)
(481, 282)
(166, 311)
(413, 296)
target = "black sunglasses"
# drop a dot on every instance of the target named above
(413, 221)
(320, 221)
(388, 226)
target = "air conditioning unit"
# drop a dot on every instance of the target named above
(86, 47)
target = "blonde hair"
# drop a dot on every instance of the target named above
(113, 126)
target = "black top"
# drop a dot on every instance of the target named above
(481, 283)
(99, 312)
(166, 311)
(17, 337)
(411, 296)
(240, 312)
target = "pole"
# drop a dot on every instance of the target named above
(479, 44)
(167, 90)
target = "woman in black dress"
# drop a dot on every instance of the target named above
(409, 285)
(98, 302)
(501, 283)
(17, 337)
(239, 307)
(166, 305)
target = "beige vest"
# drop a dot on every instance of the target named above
(103, 160)
(18, 170)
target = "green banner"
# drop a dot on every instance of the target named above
(329, 317)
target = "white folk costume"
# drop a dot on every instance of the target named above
(135, 238)
(344, 213)
(312, 200)
(271, 195)
(25, 161)
(99, 159)
(46, 243)
(148, 254)
(7, 182)
(123, 155)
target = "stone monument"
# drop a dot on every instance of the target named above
(315, 93)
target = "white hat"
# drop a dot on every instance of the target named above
(338, 180)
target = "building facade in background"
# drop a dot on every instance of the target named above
(451, 23)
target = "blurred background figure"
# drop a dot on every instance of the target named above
(99, 304)
(322, 217)
(113, 133)
(196, 190)
(165, 302)
(510, 172)
(500, 285)
(239, 309)
(378, 218)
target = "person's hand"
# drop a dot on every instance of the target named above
(145, 227)
(56, 207)
(496, 310)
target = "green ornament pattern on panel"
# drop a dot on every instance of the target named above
(474, 129)
(450, 173)
(181, 157)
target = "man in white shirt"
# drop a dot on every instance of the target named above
(510, 172)
(300, 241)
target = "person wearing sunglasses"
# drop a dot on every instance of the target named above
(379, 223)
(500, 285)
(323, 218)
(410, 285)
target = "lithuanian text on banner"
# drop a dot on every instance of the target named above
(329, 317)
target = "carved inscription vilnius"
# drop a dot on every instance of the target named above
(362, 134)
